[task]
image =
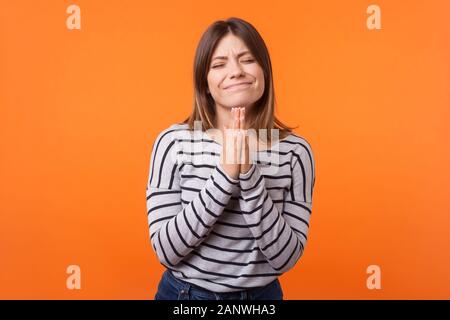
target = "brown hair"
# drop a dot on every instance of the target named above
(203, 103)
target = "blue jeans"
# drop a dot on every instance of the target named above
(172, 288)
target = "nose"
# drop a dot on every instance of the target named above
(236, 70)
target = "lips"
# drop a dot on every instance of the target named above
(236, 84)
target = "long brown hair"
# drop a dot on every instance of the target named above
(203, 108)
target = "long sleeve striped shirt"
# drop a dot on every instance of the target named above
(226, 234)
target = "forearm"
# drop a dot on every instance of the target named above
(279, 243)
(174, 238)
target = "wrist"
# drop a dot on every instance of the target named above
(245, 168)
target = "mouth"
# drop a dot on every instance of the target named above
(236, 86)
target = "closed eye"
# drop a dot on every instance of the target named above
(220, 65)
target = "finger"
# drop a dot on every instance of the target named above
(243, 146)
(224, 141)
(247, 148)
(233, 116)
(230, 146)
(232, 150)
(240, 118)
(236, 119)
(238, 149)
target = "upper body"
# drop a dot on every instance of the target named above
(222, 225)
(222, 233)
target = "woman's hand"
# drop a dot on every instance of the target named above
(245, 150)
(235, 152)
(231, 147)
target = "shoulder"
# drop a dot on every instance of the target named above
(170, 134)
(296, 143)
(165, 145)
(299, 149)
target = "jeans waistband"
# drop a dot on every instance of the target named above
(242, 294)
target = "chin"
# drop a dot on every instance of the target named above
(231, 103)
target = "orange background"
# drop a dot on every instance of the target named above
(80, 109)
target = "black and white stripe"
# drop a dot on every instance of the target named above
(225, 234)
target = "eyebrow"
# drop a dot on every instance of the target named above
(224, 57)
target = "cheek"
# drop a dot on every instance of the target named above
(258, 73)
(260, 81)
(213, 81)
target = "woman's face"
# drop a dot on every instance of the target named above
(231, 65)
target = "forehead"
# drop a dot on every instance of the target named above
(229, 44)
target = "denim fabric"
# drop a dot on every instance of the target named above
(171, 288)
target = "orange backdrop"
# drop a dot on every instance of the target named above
(80, 109)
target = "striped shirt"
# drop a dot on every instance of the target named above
(226, 234)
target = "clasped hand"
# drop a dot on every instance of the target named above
(235, 157)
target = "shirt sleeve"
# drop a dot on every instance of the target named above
(281, 236)
(176, 230)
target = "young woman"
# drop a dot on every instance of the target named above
(229, 213)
